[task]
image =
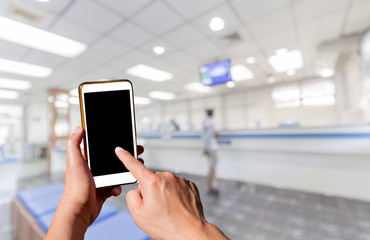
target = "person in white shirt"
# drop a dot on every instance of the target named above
(210, 147)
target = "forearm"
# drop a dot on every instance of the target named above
(210, 231)
(69, 222)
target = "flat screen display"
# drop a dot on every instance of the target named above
(215, 73)
(109, 125)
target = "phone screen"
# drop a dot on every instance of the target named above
(109, 125)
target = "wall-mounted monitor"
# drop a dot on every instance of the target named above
(215, 73)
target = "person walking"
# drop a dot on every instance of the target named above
(210, 147)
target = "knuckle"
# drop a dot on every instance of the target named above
(169, 175)
(153, 180)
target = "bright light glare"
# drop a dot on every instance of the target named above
(319, 101)
(286, 94)
(284, 60)
(29, 36)
(326, 72)
(230, 84)
(74, 101)
(73, 92)
(162, 95)
(149, 73)
(251, 60)
(6, 94)
(159, 50)
(197, 87)
(61, 104)
(142, 101)
(288, 104)
(290, 72)
(14, 84)
(216, 24)
(24, 68)
(240, 73)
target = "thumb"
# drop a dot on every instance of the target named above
(134, 200)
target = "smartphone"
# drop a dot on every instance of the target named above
(108, 118)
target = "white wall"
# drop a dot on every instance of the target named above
(37, 122)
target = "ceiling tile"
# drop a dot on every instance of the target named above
(192, 8)
(131, 34)
(184, 36)
(94, 57)
(43, 58)
(51, 6)
(74, 31)
(204, 50)
(11, 51)
(182, 60)
(359, 18)
(149, 18)
(251, 9)
(124, 7)
(308, 10)
(109, 46)
(284, 38)
(93, 16)
(279, 19)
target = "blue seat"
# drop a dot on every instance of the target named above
(107, 211)
(40, 192)
(39, 207)
(120, 226)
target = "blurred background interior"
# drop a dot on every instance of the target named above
(294, 156)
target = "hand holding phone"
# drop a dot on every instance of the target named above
(108, 118)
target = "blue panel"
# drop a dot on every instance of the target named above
(43, 206)
(41, 192)
(107, 211)
(120, 226)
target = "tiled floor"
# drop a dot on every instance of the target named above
(250, 211)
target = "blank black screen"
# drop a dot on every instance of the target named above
(109, 125)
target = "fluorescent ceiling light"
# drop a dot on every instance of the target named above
(162, 95)
(197, 87)
(319, 101)
(61, 104)
(36, 38)
(283, 61)
(74, 101)
(216, 24)
(73, 92)
(159, 50)
(6, 94)
(43, 1)
(251, 60)
(14, 84)
(288, 104)
(290, 72)
(149, 73)
(24, 68)
(142, 100)
(286, 94)
(241, 72)
(326, 72)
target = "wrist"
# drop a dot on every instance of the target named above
(209, 231)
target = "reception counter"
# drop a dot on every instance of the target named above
(332, 161)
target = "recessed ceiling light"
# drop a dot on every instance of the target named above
(14, 84)
(149, 73)
(290, 72)
(281, 51)
(142, 100)
(251, 60)
(7, 94)
(240, 73)
(24, 68)
(197, 87)
(36, 38)
(216, 24)
(271, 79)
(162, 95)
(283, 61)
(326, 72)
(159, 50)
(230, 84)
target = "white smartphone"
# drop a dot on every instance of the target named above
(108, 118)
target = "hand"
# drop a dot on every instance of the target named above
(81, 201)
(165, 206)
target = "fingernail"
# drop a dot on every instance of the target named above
(77, 130)
(118, 149)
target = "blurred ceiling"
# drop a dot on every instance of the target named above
(121, 33)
